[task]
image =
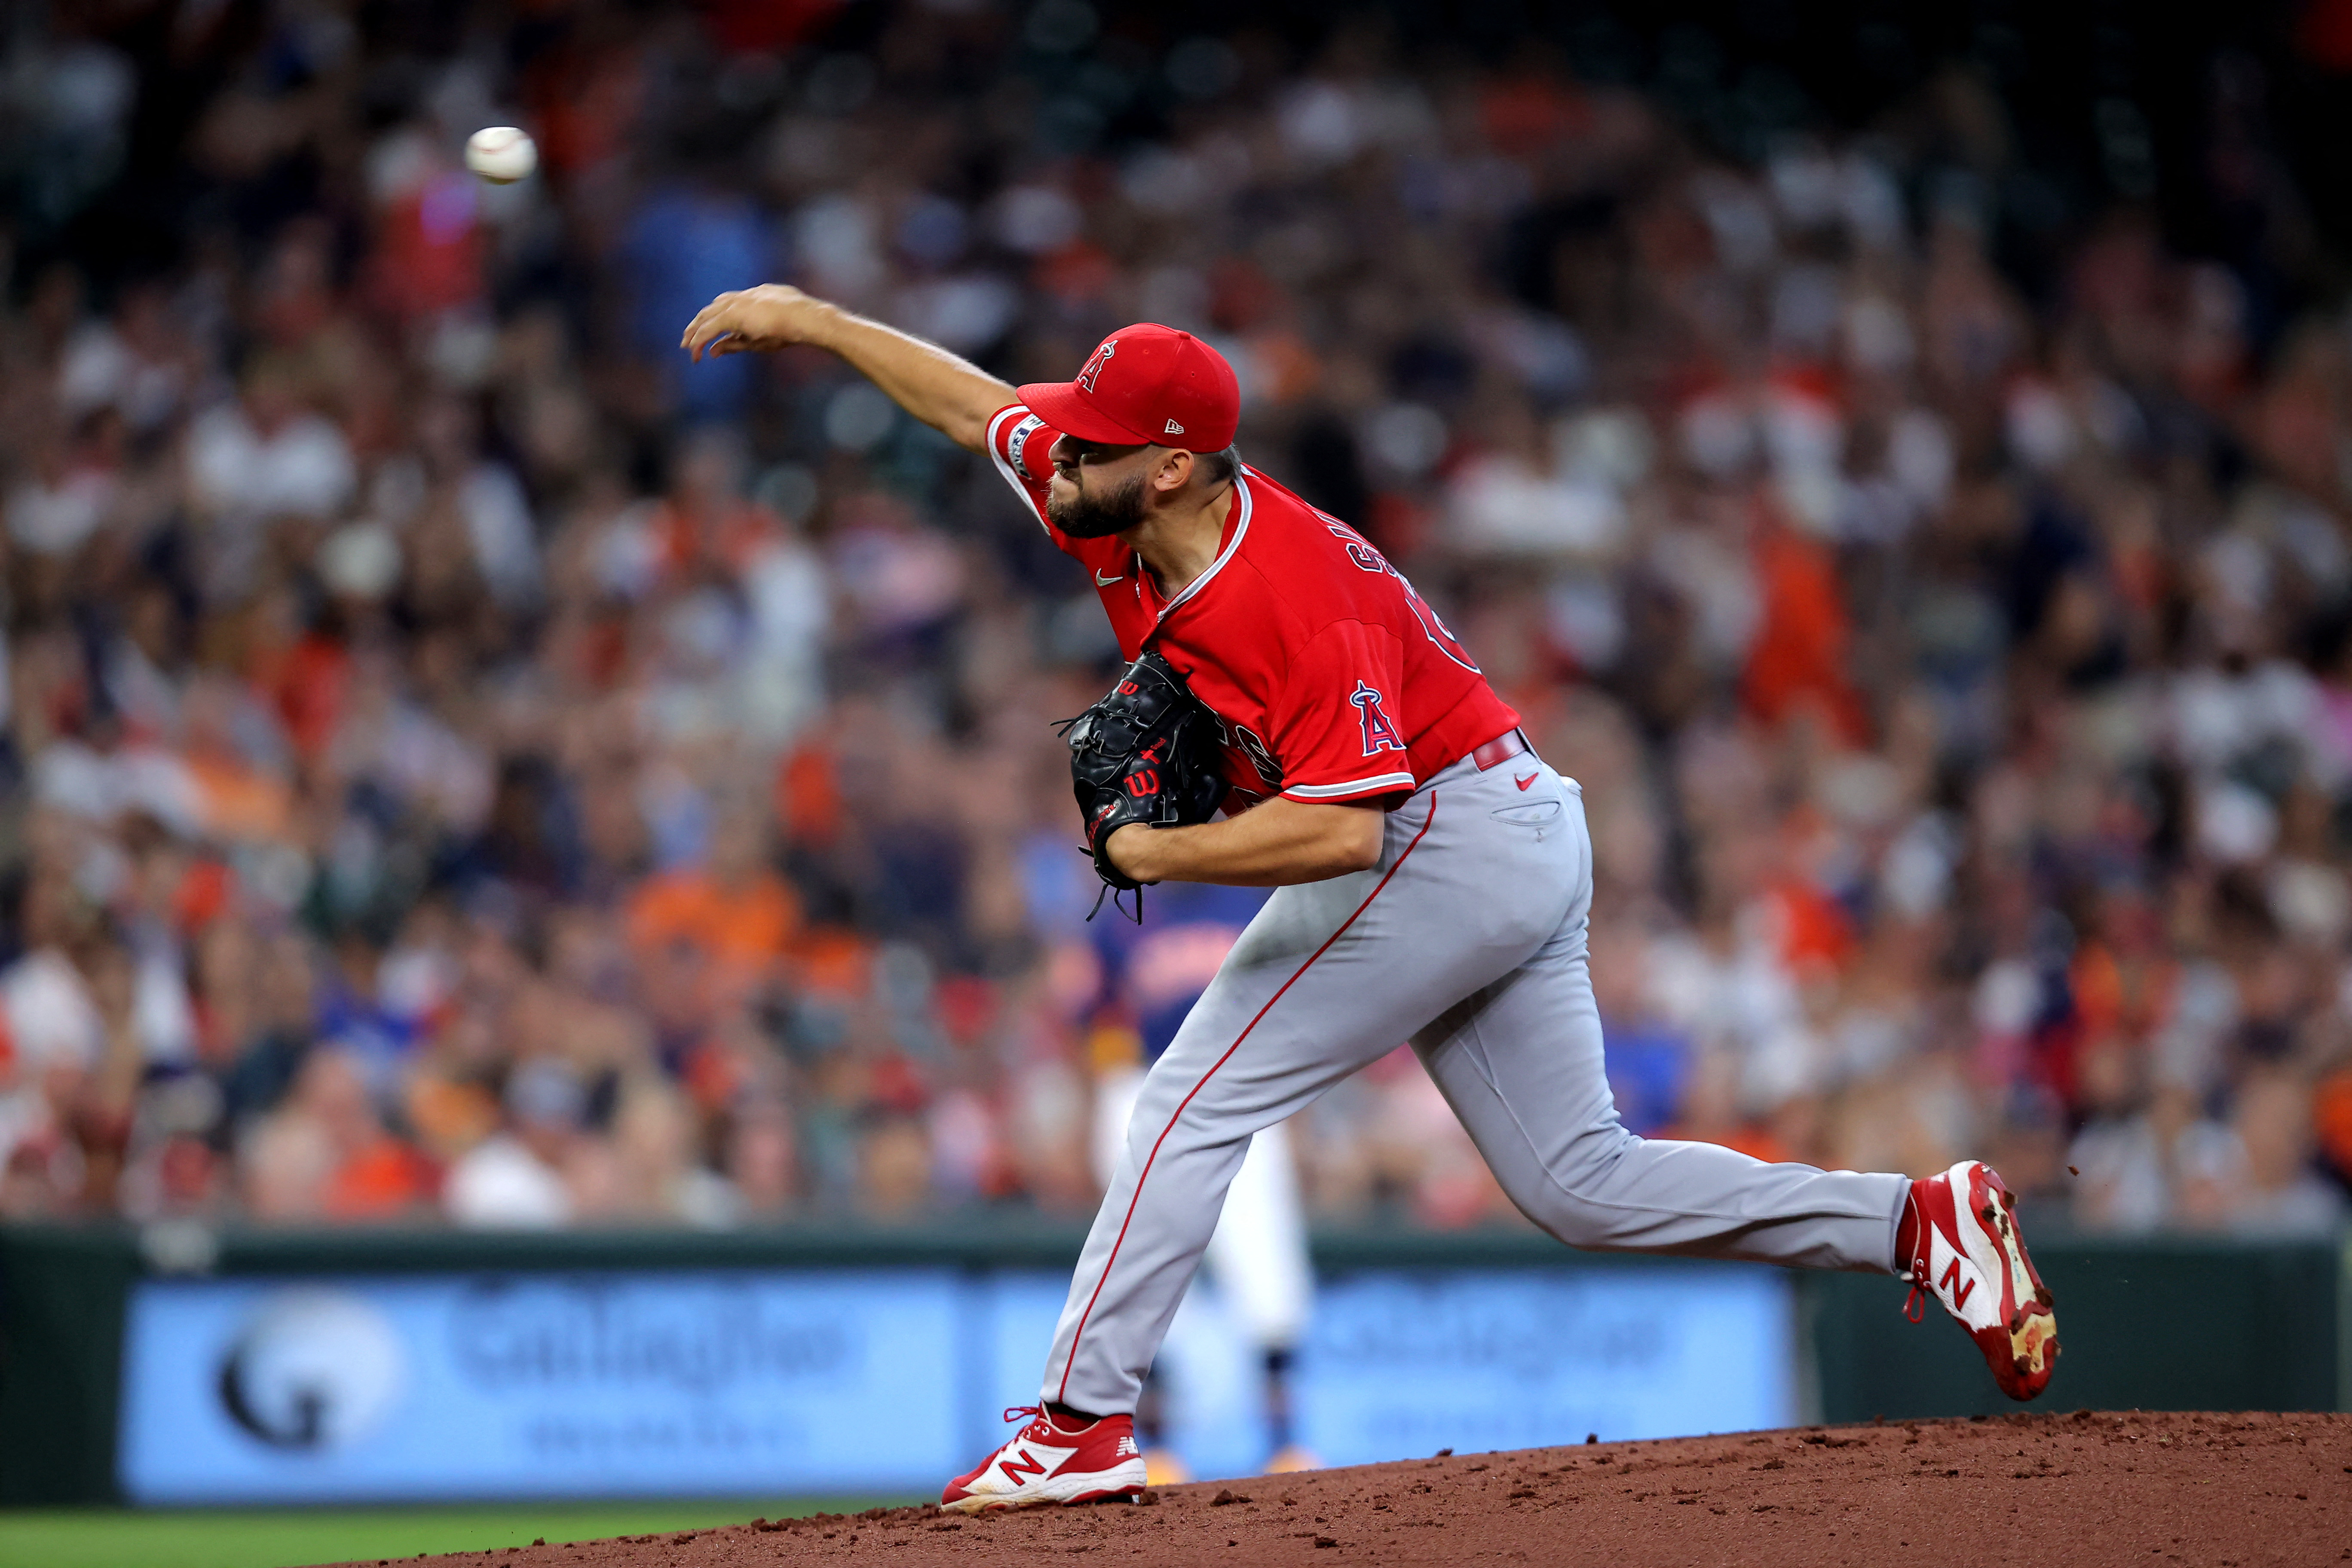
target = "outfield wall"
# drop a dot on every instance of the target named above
(182, 1365)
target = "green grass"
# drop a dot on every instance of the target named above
(281, 1538)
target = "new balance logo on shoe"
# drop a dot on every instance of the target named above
(1956, 1276)
(1126, 1447)
(1951, 1286)
(1014, 1471)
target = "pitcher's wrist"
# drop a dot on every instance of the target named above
(1129, 848)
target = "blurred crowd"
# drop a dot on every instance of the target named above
(463, 762)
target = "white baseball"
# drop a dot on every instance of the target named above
(500, 155)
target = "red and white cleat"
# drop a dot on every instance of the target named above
(1047, 1462)
(1968, 1254)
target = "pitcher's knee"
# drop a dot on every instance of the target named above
(1574, 1197)
(1571, 1217)
(1177, 1133)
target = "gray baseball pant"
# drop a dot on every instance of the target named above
(1469, 938)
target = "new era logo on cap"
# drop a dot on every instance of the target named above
(1144, 384)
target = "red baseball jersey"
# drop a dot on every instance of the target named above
(1332, 679)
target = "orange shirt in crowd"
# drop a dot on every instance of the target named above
(238, 801)
(309, 682)
(1815, 931)
(745, 927)
(1799, 655)
(384, 1180)
(2332, 1110)
(808, 795)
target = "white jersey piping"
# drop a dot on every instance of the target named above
(1241, 527)
(1353, 786)
(1013, 478)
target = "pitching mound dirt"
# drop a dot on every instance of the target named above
(2236, 1491)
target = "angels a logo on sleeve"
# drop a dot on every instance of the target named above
(1380, 730)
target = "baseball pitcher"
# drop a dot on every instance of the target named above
(1432, 881)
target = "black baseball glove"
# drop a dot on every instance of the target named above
(1147, 752)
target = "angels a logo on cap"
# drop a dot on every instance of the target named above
(1094, 365)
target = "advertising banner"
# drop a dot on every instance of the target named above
(538, 1385)
(830, 1382)
(1403, 1364)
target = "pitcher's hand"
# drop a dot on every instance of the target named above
(767, 317)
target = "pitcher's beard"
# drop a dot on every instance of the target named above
(1099, 517)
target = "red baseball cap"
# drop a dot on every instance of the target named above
(1146, 383)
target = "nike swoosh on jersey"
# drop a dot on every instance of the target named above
(1103, 581)
(1523, 782)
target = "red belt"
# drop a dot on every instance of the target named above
(1510, 744)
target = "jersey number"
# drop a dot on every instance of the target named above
(1360, 552)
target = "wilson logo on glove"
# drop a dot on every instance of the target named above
(1144, 755)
